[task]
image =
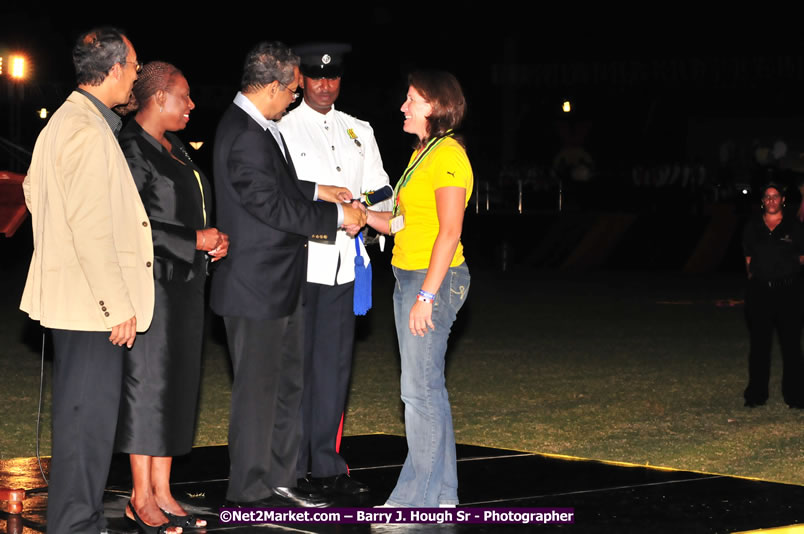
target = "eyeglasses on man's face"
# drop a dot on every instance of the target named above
(137, 65)
(294, 95)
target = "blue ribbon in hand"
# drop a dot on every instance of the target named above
(362, 300)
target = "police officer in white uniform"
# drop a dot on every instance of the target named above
(332, 148)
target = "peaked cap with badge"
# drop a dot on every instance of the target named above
(322, 60)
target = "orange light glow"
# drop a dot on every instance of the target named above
(17, 67)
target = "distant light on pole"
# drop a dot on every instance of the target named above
(566, 107)
(42, 113)
(17, 67)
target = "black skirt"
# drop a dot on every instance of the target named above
(162, 374)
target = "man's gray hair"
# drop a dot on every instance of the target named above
(268, 62)
(96, 52)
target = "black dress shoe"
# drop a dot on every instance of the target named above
(305, 499)
(341, 484)
(307, 485)
(754, 403)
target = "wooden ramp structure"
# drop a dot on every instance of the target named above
(599, 241)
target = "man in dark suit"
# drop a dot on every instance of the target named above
(269, 215)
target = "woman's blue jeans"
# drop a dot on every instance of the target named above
(429, 476)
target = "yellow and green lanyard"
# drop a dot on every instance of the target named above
(403, 181)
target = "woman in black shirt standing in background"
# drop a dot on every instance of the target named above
(774, 252)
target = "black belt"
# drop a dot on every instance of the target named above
(779, 282)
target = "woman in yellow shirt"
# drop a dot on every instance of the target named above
(432, 282)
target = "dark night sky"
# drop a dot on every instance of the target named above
(209, 45)
(388, 42)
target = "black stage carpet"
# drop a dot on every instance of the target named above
(605, 497)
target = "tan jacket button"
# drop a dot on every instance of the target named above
(106, 314)
(145, 223)
(147, 263)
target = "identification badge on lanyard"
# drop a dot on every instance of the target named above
(396, 224)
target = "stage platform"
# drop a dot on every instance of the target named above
(606, 497)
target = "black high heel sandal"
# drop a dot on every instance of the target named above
(184, 521)
(150, 529)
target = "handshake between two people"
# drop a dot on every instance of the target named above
(354, 211)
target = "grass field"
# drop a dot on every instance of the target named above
(644, 368)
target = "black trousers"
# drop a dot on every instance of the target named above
(329, 323)
(768, 309)
(87, 381)
(264, 424)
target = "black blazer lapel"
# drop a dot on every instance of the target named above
(289, 160)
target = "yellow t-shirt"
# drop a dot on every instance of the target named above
(446, 166)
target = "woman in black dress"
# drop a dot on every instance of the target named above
(160, 394)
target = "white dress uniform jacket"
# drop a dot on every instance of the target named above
(334, 149)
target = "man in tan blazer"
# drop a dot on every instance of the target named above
(90, 281)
